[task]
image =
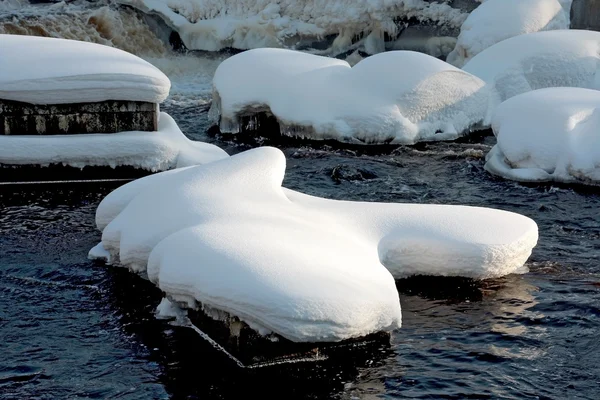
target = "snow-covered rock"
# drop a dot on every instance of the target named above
(538, 60)
(227, 235)
(41, 70)
(497, 20)
(394, 97)
(153, 151)
(548, 135)
(213, 25)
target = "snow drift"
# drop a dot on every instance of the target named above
(153, 151)
(497, 20)
(394, 97)
(548, 135)
(227, 235)
(42, 70)
(213, 25)
(538, 60)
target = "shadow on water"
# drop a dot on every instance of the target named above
(192, 368)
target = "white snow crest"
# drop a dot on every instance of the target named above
(310, 269)
(497, 20)
(548, 135)
(75, 72)
(568, 58)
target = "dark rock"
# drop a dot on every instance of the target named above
(17, 118)
(585, 14)
(345, 173)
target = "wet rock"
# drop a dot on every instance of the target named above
(585, 14)
(17, 118)
(347, 173)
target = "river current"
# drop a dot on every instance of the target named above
(70, 328)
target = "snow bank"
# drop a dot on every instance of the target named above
(310, 269)
(548, 135)
(496, 20)
(154, 151)
(42, 70)
(536, 61)
(213, 25)
(397, 97)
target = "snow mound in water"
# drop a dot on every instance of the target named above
(214, 25)
(42, 70)
(398, 97)
(548, 135)
(153, 151)
(538, 60)
(497, 20)
(226, 234)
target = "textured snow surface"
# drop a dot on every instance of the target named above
(496, 20)
(397, 96)
(246, 24)
(548, 135)
(228, 235)
(154, 151)
(42, 70)
(538, 60)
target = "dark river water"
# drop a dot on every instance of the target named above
(70, 328)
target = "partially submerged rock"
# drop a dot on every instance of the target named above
(229, 237)
(395, 97)
(548, 135)
(497, 20)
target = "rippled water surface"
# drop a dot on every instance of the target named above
(73, 329)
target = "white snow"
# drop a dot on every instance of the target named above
(548, 135)
(167, 310)
(538, 60)
(227, 235)
(153, 151)
(398, 96)
(497, 20)
(98, 252)
(42, 70)
(213, 25)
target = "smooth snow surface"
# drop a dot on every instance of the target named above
(538, 60)
(226, 234)
(497, 20)
(398, 96)
(153, 151)
(43, 70)
(214, 25)
(548, 135)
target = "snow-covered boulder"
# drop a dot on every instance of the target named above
(497, 20)
(536, 61)
(548, 135)
(214, 25)
(227, 235)
(41, 70)
(394, 97)
(153, 151)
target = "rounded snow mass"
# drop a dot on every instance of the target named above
(569, 58)
(75, 72)
(548, 135)
(497, 20)
(309, 269)
(395, 97)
